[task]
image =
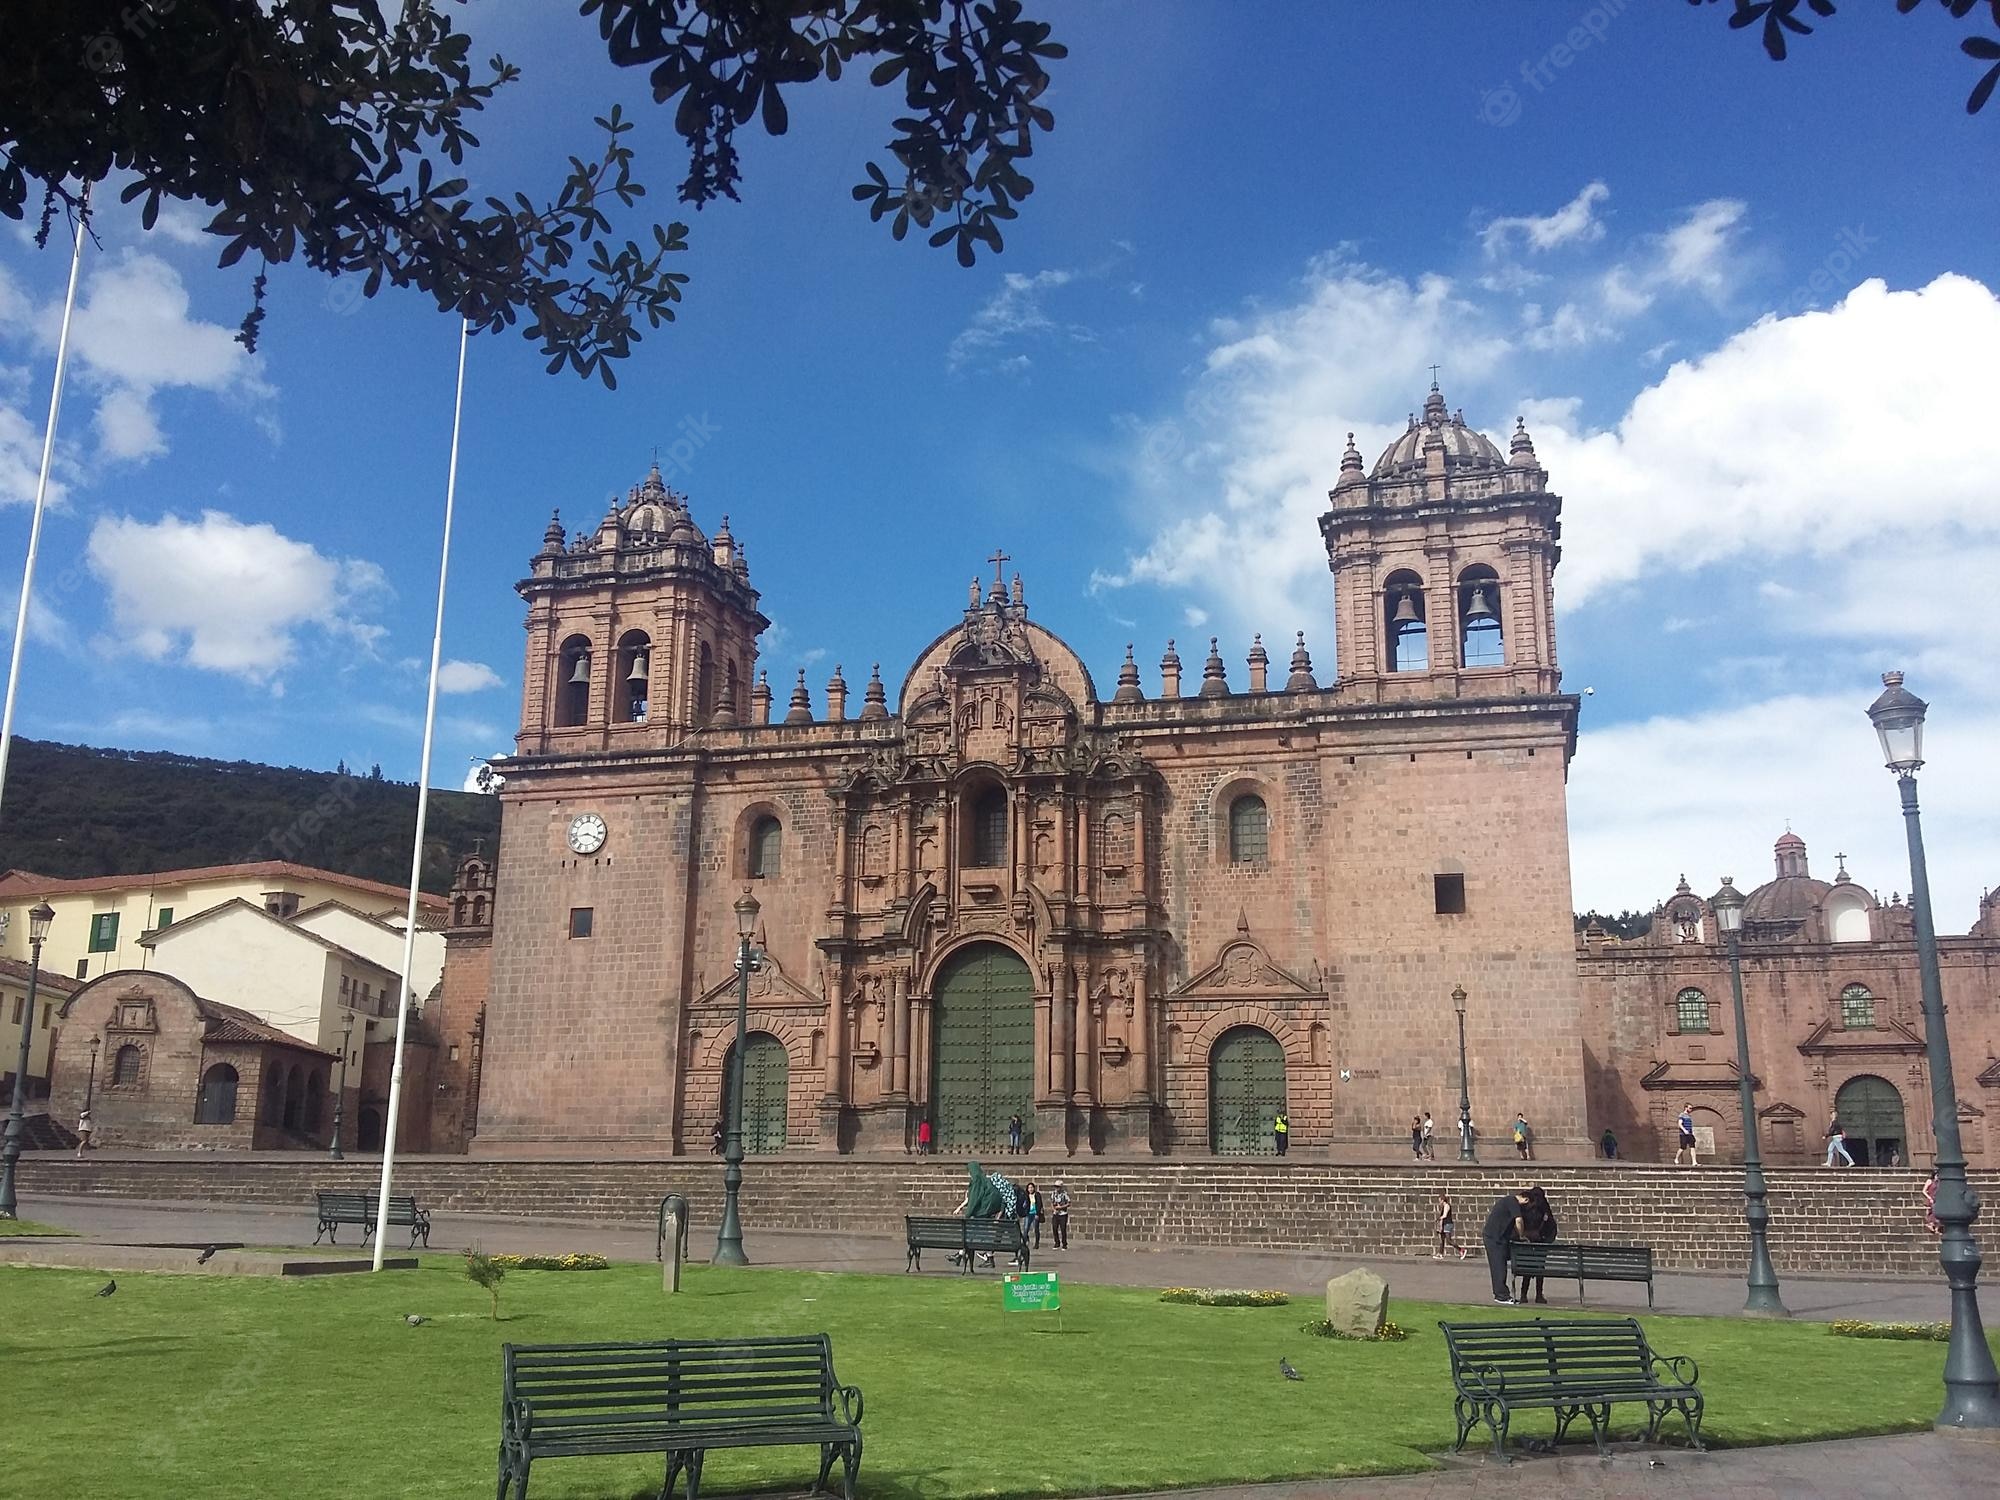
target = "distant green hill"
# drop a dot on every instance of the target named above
(74, 810)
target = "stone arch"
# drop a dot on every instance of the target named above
(572, 685)
(767, 1090)
(295, 1097)
(1247, 1086)
(631, 680)
(982, 1043)
(1481, 636)
(1297, 1045)
(216, 1104)
(755, 822)
(1872, 1112)
(1405, 617)
(1230, 791)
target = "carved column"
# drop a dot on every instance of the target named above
(836, 1048)
(1142, 1037)
(1082, 1086)
(1064, 1002)
(899, 1030)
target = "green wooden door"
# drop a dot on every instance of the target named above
(984, 1049)
(1246, 1087)
(1871, 1112)
(767, 1076)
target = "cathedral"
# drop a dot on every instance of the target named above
(1143, 921)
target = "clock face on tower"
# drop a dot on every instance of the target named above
(587, 833)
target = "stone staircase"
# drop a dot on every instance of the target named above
(1854, 1223)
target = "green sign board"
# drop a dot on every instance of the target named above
(1030, 1291)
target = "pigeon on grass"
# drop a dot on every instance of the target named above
(1285, 1369)
(206, 1255)
(415, 1319)
(107, 1289)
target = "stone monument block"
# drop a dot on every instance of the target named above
(1357, 1304)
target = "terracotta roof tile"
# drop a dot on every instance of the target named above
(15, 883)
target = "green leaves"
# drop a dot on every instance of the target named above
(1779, 17)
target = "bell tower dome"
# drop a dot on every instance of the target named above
(639, 631)
(1443, 559)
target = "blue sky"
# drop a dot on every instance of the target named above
(1747, 309)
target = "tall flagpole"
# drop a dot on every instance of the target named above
(423, 810)
(41, 494)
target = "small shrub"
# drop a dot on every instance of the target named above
(1392, 1332)
(484, 1270)
(1850, 1328)
(1219, 1296)
(577, 1261)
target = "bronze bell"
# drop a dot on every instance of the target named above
(638, 672)
(1406, 611)
(1481, 607)
(581, 672)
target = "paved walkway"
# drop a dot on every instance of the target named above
(139, 1221)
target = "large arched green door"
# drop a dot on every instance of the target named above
(1871, 1112)
(1246, 1088)
(985, 1049)
(767, 1078)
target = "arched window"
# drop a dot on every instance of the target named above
(217, 1104)
(315, 1100)
(632, 690)
(125, 1067)
(766, 841)
(1479, 638)
(1404, 625)
(295, 1099)
(1691, 1011)
(573, 683)
(704, 685)
(1857, 1008)
(987, 848)
(1249, 831)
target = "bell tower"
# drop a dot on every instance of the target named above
(1443, 559)
(639, 632)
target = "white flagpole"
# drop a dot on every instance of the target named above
(423, 810)
(41, 494)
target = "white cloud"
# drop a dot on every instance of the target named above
(466, 677)
(1576, 222)
(1697, 252)
(1797, 435)
(1017, 310)
(225, 595)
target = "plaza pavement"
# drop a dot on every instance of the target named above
(137, 1221)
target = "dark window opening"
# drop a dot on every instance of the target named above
(1405, 622)
(1691, 1011)
(1450, 890)
(573, 683)
(635, 668)
(989, 829)
(217, 1104)
(580, 921)
(1480, 643)
(125, 1067)
(766, 849)
(1249, 831)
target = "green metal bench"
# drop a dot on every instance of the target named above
(963, 1237)
(677, 1397)
(1576, 1367)
(1582, 1263)
(359, 1208)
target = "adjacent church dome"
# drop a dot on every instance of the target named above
(1791, 897)
(1465, 448)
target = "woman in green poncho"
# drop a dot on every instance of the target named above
(988, 1195)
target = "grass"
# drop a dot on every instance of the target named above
(28, 1226)
(234, 1388)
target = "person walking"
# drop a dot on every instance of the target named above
(84, 1127)
(1281, 1130)
(1059, 1215)
(1539, 1222)
(1033, 1199)
(715, 1140)
(1429, 1138)
(1523, 1141)
(1417, 1136)
(1686, 1123)
(1014, 1136)
(1503, 1226)
(1447, 1229)
(924, 1136)
(1609, 1145)
(1930, 1204)
(1836, 1143)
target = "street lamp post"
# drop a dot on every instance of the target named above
(729, 1237)
(1971, 1384)
(340, 1090)
(1465, 1151)
(90, 1085)
(40, 915)
(1763, 1299)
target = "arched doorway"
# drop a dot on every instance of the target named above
(985, 1049)
(1871, 1112)
(767, 1080)
(1246, 1087)
(368, 1135)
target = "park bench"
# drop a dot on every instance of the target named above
(963, 1236)
(359, 1208)
(1574, 1366)
(677, 1397)
(1584, 1263)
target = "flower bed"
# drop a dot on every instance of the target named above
(580, 1262)
(1222, 1296)
(1392, 1332)
(1850, 1328)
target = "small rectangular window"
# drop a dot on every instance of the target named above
(104, 932)
(83, 968)
(454, 1052)
(1450, 895)
(579, 921)
(20, 1004)
(165, 918)
(45, 1017)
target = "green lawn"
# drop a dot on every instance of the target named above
(27, 1226)
(249, 1387)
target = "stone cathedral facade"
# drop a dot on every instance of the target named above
(1143, 920)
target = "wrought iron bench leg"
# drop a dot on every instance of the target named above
(327, 1228)
(850, 1465)
(913, 1260)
